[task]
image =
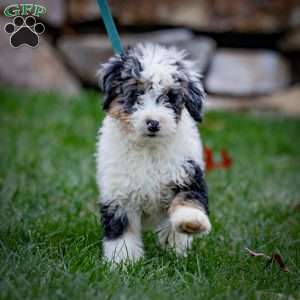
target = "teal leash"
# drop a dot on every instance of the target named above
(110, 27)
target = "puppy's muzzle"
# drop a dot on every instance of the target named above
(153, 126)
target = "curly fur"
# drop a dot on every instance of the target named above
(150, 176)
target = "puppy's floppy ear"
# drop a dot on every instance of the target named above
(110, 80)
(194, 97)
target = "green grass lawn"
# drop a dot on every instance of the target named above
(49, 222)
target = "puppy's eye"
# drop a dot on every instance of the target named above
(138, 101)
(139, 93)
(171, 97)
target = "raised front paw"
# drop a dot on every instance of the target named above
(189, 220)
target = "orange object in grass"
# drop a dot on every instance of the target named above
(210, 163)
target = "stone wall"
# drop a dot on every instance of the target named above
(75, 43)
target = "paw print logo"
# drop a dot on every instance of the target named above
(24, 31)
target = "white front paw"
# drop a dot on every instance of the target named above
(127, 248)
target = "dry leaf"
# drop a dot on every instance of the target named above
(275, 258)
(297, 207)
(255, 254)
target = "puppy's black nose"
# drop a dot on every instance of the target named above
(153, 125)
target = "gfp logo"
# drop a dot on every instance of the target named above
(24, 30)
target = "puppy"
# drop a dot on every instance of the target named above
(149, 152)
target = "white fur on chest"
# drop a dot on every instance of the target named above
(138, 175)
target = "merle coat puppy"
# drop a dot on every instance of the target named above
(149, 152)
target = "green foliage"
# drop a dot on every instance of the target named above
(49, 222)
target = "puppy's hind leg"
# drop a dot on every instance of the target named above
(122, 240)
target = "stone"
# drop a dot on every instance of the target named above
(83, 10)
(56, 12)
(85, 53)
(200, 50)
(34, 68)
(247, 72)
(215, 16)
(287, 101)
(294, 20)
(228, 104)
(291, 42)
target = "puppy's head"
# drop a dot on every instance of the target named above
(148, 87)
